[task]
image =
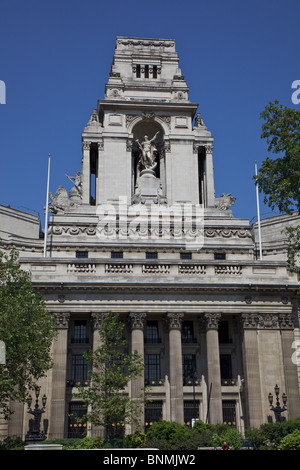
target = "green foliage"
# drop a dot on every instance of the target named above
(12, 444)
(279, 178)
(112, 368)
(27, 330)
(270, 435)
(135, 440)
(291, 441)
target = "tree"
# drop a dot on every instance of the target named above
(111, 370)
(26, 330)
(279, 178)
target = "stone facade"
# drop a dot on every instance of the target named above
(142, 233)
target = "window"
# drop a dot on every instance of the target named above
(187, 334)
(224, 332)
(152, 367)
(229, 415)
(117, 254)
(151, 255)
(191, 411)
(79, 368)
(138, 71)
(146, 71)
(80, 332)
(219, 256)
(226, 366)
(153, 413)
(185, 255)
(76, 429)
(188, 367)
(154, 71)
(82, 254)
(152, 332)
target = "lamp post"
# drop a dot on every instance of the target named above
(277, 409)
(34, 433)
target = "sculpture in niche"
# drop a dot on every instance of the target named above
(148, 153)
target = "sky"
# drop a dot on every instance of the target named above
(55, 57)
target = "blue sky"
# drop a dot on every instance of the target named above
(55, 57)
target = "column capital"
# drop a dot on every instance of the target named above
(63, 320)
(212, 320)
(174, 320)
(137, 320)
(97, 319)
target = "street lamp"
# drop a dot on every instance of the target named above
(34, 433)
(277, 409)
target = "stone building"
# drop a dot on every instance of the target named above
(141, 233)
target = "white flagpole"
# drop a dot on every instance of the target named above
(258, 214)
(47, 204)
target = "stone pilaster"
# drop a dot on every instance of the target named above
(210, 190)
(213, 367)
(85, 172)
(174, 321)
(59, 377)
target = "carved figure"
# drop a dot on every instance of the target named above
(60, 201)
(77, 182)
(225, 201)
(148, 152)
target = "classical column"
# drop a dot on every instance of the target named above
(85, 173)
(96, 321)
(213, 367)
(59, 377)
(175, 354)
(137, 323)
(210, 189)
(251, 369)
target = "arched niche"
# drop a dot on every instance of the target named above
(148, 127)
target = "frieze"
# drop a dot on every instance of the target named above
(145, 43)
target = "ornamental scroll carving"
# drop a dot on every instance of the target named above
(137, 320)
(97, 319)
(267, 321)
(174, 320)
(212, 320)
(63, 321)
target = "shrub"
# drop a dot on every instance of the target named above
(291, 441)
(164, 434)
(135, 440)
(10, 443)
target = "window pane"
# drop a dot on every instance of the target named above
(152, 371)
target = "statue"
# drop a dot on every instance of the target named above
(225, 201)
(77, 182)
(60, 201)
(148, 152)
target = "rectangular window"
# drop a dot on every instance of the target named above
(191, 411)
(185, 255)
(187, 334)
(151, 255)
(224, 332)
(152, 367)
(138, 71)
(154, 71)
(79, 368)
(80, 332)
(229, 414)
(153, 413)
(117, 254)
(219, 256)
(152, 332)
(188, 368)
(82, 254)
(76, 429)
(146, 71)
(226, 366)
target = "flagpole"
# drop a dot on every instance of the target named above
(47, 205)
(258, 214)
